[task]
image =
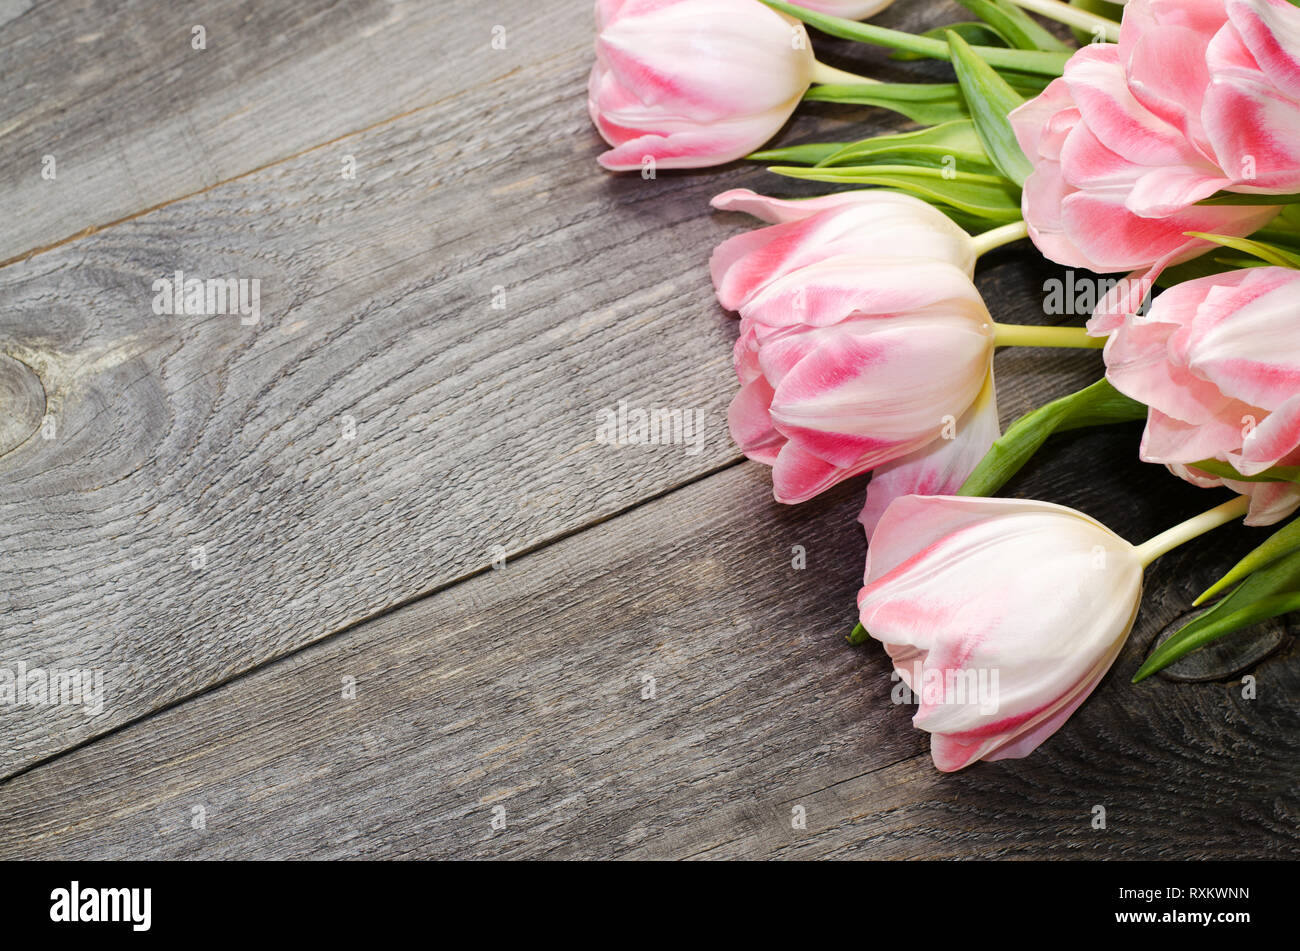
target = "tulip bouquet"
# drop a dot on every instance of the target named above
(1163, 143)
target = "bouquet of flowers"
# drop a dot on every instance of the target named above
(1158, 141)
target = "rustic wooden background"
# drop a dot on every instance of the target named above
(514, 692)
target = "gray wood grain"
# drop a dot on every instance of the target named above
(180, 440)
(135, 116)
(524, 690)
(475, 436)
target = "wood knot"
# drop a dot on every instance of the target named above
(22, 402)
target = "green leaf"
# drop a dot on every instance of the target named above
(984, 196)
(1020, 30)
(926, 103)
(1096, 405)
(1282, 542)
(1225, 471)
(859, 635)
(956, 138)
(812, 154)
(1043, 62)
(1206, 629)
(1271, 253)
(1287, 220)
(990, 100)
(976, 34)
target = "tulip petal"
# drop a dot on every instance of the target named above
(1271, 31)
(879, 224)
(781, 210)
(1255, 131)
(751, 424)
(798, 475)
(716, 144)
(1270, 502)
(938, 468)
(1267, 444)
(1243, 339)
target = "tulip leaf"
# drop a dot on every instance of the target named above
(990, 100)
(956, 138)
(926, 103)
(1096, 405)
(1011, 22)
(1043, 62)
(1266, 592)
(984, 196)
(1205, 629)
(811, 154)
(976, 34)
(1271, 253)
(1282, 542)
(1225, 471)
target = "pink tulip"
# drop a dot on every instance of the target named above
(1198, 96)
(1000, 616)
(1217, 361)
(862, 360)
(692, 83)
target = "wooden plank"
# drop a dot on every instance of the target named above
(475, 426)
(178, 440)
(524, 689)
(135, 116)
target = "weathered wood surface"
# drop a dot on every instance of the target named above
(475, 426)
(525, 690)
(475, 435)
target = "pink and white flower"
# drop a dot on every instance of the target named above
(1198, 96)
(1030, 599)
(692, 83)
(858, 361)
(922, 413)
(1217, 361)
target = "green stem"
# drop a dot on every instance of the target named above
(1022, 335)
(1041, 62)
(1168, 540)
(830, 76)
(1073, 16)
(996, 237)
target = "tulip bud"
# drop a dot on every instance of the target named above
(692, 83)
(1217, 361)
(1000, 615)
(854, 362)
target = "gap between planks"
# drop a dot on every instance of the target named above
(524, 552)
